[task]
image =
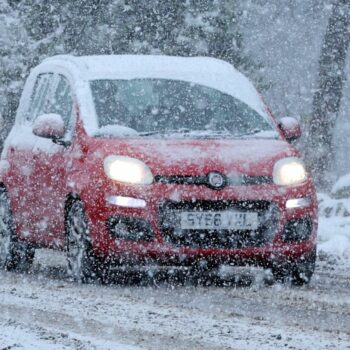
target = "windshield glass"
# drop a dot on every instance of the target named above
(161, 106)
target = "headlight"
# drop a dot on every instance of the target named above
(127, 169)
(289, 171)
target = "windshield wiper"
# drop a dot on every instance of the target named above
(195, 133)
(165, 132)
(200, 133)
(253, 132)
(257, 131)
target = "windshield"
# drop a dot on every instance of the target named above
(161, 106)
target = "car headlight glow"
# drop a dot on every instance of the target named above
(289, 171)
(128, 170)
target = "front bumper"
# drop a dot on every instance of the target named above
(158, 247)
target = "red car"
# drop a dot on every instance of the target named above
(153, 160)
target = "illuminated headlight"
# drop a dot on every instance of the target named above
(289, 171)
(128, 170)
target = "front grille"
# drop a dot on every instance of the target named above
(240, 180)
(169, 218)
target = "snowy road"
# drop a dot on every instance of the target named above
(41, 311)
(44, 310)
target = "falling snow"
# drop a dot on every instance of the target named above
(186, 99)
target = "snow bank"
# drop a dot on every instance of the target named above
(334, 229)
(330, 207)
(341, 189)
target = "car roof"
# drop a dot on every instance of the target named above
(206, 71)
(97, 66)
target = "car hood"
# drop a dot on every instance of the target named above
(254, 157)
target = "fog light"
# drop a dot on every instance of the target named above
(126, 202)
(122, 229)
(298, 203)
(130, 228)
(297, 230)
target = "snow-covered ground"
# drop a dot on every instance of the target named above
(14, 335)
(334, 231)
(44, 310)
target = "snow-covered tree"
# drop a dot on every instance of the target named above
(211, 29)
(327, 98)
(15, 58)
(187, 28)
(44, 22)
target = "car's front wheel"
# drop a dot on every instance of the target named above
(82, 264)
(14, 255)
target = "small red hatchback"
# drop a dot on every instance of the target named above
(138, 160)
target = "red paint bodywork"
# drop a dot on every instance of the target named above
(78, 170)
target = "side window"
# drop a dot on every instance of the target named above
(62, 101)
(40, 96)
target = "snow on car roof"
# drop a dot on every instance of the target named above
(207, 71)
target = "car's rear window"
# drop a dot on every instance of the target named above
(174, 106)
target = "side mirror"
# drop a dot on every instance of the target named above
(49, 125)
(290, 128)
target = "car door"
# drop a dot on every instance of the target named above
(51, 163)
(21, 183)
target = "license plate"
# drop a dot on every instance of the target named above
(219, 220)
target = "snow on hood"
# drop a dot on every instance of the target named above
(197, 157)
(116, 131)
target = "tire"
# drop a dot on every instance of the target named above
(304, 269)
(14, 255)
(299, 272)
(82, 265)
